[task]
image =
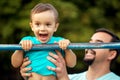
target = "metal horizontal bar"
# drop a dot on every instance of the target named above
(113, 45)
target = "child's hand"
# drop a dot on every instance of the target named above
(26, 44)
(64, 43)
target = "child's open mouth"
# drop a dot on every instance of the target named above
(43, 37)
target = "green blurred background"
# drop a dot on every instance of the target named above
(78, 21)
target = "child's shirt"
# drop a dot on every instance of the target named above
(39, 61)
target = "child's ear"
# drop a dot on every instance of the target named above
(56, 26)
(112, 55)
(31, 25)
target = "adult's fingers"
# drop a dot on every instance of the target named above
(59, 54)
(58, 60)
(57, 69)
(53, 58)
(24, 69)
(60, 68)
(23, 72)
(60, 57)
(26, 62)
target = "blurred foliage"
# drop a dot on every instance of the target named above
(78, 21)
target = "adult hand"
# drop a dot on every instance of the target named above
(24, 69)
(60, 69)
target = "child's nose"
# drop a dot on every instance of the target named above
(42, 27)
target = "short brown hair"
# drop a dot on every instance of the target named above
(40, 7)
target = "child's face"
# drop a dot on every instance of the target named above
(44, 25)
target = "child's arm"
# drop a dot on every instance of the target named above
(70, 56)
(17, 57)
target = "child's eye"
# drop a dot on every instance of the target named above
(37, 24)
(48, 24)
